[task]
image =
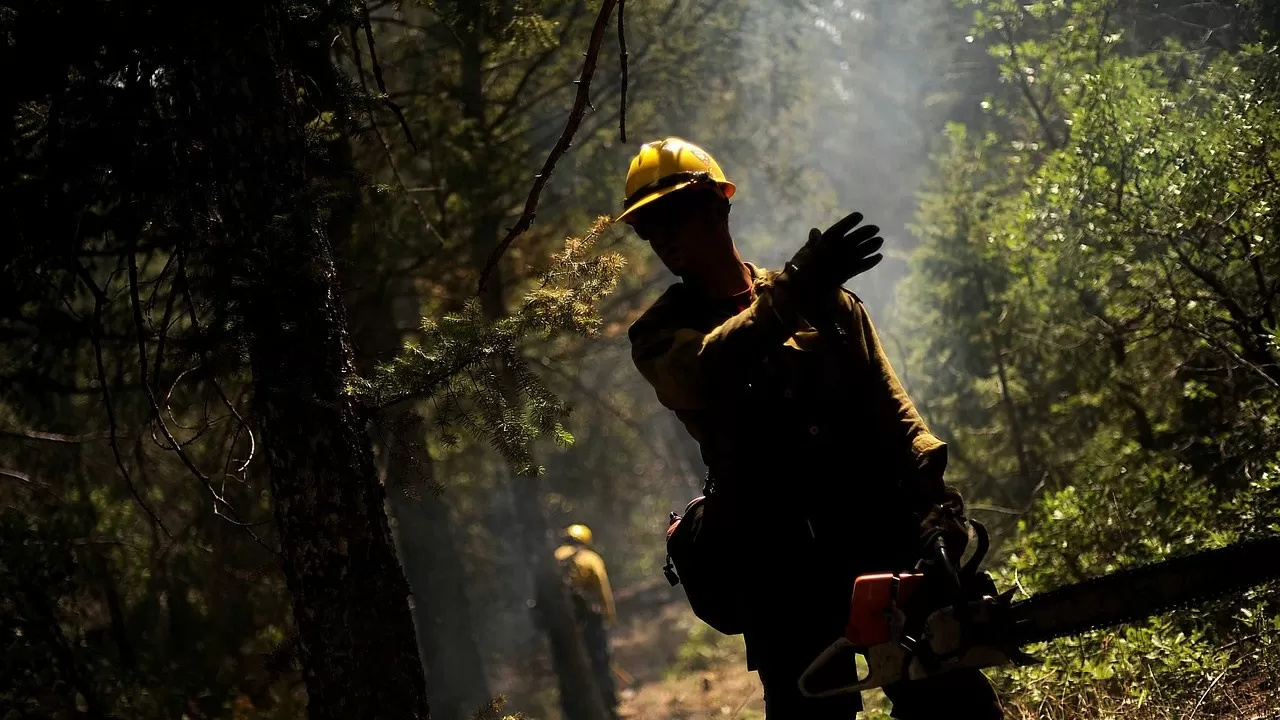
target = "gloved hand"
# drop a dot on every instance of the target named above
(945, 517)
(828, 260)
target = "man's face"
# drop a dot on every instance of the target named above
(684, 230)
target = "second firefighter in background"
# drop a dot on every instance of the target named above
(593, 605)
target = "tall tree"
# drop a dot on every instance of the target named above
(200, 148)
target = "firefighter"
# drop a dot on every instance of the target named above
(814, 451)
(593, 604)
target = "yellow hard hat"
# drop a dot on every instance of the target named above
(578, 532)
(665, 166)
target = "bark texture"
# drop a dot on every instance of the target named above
(271, 262)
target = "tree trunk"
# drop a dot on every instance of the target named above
(350, 599)
(580, 698)
(445, 631)
(270, 261)
(442, 606)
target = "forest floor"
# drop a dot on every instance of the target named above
(667, 669)
(672, 667)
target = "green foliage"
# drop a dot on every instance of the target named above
(1158, 663)
(473, 370)
(89, 628)
(1093, 311)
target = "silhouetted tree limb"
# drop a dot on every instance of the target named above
(580, 103)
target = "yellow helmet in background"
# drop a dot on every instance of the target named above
(580, 533)
(665, 166)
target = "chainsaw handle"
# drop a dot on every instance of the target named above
(879, 673)
(984, 544)
(824, 658)
(940, 564)
(938, 561)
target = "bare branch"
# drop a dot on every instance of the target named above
(377, 77)
(99, 304)
(622, 62)
(512, 106)
(1269, 375)
(382, 139)
(395, 172)
(580, 104)
(1042, 117)
(17, 475)
(219, 501)
(52, 436)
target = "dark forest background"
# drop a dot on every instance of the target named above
(250, 385)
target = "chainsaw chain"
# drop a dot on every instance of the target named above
(1137, 593)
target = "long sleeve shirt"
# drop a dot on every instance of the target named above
(764, 393)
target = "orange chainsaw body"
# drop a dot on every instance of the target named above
(873, 597)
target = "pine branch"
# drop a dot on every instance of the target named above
(492, 710)
(460, 360)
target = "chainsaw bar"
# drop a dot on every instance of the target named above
(1140, 592)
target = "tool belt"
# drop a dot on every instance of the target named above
(708, 553)
(702, 555)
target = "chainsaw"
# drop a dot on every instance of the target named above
(941, 616)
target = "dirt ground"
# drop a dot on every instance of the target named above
(667, 666)
(647, 654)
(670, 667)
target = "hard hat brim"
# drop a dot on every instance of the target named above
(627, 216)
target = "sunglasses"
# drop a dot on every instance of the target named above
(671, 211)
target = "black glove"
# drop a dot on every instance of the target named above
(828, 260)
(945, 518)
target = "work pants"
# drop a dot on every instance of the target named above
(595, 638)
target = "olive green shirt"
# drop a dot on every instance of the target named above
(766, 395)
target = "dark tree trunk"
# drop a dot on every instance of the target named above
(441, 613)
(350, 599)
(581, 699)
(270, 262)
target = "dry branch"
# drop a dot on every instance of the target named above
(219, 502)
(580, 103)
(377, 78)
(622, 62)
(99, 305)
(53, 436)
